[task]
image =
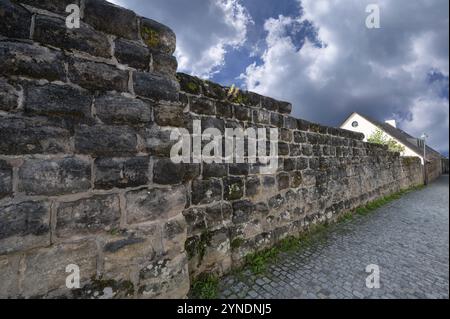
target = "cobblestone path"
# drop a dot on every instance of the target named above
(408, 239)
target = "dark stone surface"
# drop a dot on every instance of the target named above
(121, 172)
(53, 31)
(105, 140)
(252, 186)
(132, 54)
(26, 218)
(31, 136)
(5, 179)
(242, 211)
(32, 61)
(88, 216)
(206, 191)
(54, 177)
(97, 76)
(50, 5)
(242, 113)
(9, 96)
(118, 109)
(155, 87)
(283, 181)
(202, 106)
(52, 99)
(224, 109)
(165, 172)
(109, 18)
(214, 170)
(15, 21)
(157, 141)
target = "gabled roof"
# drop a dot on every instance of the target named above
(400, 135)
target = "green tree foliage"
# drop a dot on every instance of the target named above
(378, 137)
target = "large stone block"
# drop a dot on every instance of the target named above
(45, 269)
(52, 99)
(15, 21)
(164, 64)
(105, 140)
(100, 14)
(5, 179)
(169, 115)
(54, 177)
(88, 216)
(9, 96)
(32, 136)
(24, 225)
(132, 54)
(166, 172)
(206, 191)
(97, 76)
(31, 60)
(233, 188)
(121, 172)
(202, 105)
(157, 36)
(154, 204)
(53, 31)
(118, 109)
(157, 140)
(155, 87)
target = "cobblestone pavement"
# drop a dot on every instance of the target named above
(408, 239)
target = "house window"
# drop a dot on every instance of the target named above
(355, 124)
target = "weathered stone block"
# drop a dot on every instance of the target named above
(52, 99)
(154, 204)
(166, 172)
(261, 117)
(31, 60)
(132, 54)
(233, 188)
(45, 269)
(155, 86)
(202, 106)
(158, 37)
(164, 64)
(53, 31)
(121, 172)
(206, 191)
(97, 76)
(283, 181)
(99, 14)
(284, 107)
(29, 136)
(105, 140)
(118, 109)
(252, 186)
(24, 225)
(5, 179)
(9, 276)
(300, 137)
(196, 220)
(224, 109)
(9, 96)
(157, 140)
(15, 21)
(276, 119)
(175, 235)
(88, 216)
(54, 177)
(242, 113)
(242, 211)
(214, 170)
(169, 115)
(239, 168)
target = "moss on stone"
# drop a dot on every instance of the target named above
(150, 37)
(236, 243)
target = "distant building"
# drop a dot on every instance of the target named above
(412, 146)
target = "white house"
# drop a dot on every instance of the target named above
(413, 146)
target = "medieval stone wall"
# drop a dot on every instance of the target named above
(85, 171)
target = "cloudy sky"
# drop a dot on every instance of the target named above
(319, 55)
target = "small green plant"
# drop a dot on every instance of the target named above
(151, 37)
(236, 243)
(206, 286)
(259, 261)
(379, 137)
